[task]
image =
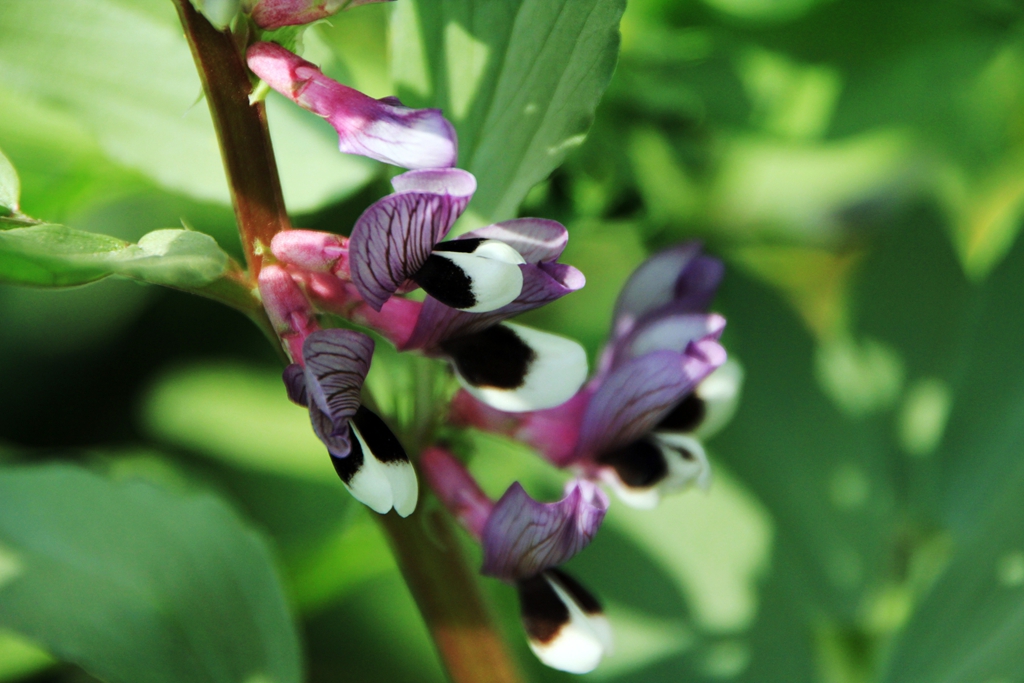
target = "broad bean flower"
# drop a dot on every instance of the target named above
(662, 383)
(523, 542)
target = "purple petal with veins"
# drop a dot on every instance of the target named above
(337, 444)
(537, 240)
(667, 332)
(637, 394)
(380, 129)
(680, 276)
(394, 237)
(336, 365)
(295, 384)
(542, 284)
(523, 537)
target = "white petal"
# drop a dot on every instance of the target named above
(683, 472)
(555, 374)
(580, 644)
(494, 282)
(720, 392)
(404, 487)
(371, 485)
(498, 251)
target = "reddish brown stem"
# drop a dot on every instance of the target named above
(242, 132)
(447, 592)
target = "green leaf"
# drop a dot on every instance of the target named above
(137, 585)
(10, 186)
(57, 256)
(519, 79)
(239, 415)
(123, 70)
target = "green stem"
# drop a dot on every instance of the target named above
(447, 592)
(242, 132)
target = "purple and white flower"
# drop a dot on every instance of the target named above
(367, 456)
(383, 129)
(662, 376)
(524, 541)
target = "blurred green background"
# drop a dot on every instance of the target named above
(859, 165)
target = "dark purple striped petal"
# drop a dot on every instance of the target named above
(394, 237)
(339, 444)
(523, 537)
(542, 284)
(336, 365)
(295, 384)
(536, 239)
(635, 396)
(680, 276)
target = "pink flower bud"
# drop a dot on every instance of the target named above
(288, 308)
(457, 489)
(271, 14)
(380, 129)
(321, 252)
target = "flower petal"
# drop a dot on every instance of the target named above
(378, 472)
(474, 275)
(394, 237)
(542, 284)
(295, 384)
(523, 537)
(537, 239)
(515, 368)
(337, 362)
(643, 471)
(271, 14)
(309, 249)
(671, 332)
(640, 392)
(710, 406)
(679, 275)
(564, 623)
(380, 129)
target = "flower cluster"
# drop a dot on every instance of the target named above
(635, 425)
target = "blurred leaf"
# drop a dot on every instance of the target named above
(19, 658)
(10, 186)
(122, 68)
(56, 256)
(520, 80)
(136, 585)
(219, 12)
(240, 415)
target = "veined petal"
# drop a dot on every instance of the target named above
(672, 332)
(542, 284)
(337, 362)
(380, 129)
(474, 275)
(515, 368)
(636, 395)
(679, 275)
(564, 623)
(394, 237)
(295, 384)
(645, 470)
(536, 239)
(523, 537)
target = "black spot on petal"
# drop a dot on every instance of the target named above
(382, 442)
(584, 598)
(686, 416)
(348, 466)
(639, 465)
(494, 357)
(466, 246)
(542, 611)
(442, 279)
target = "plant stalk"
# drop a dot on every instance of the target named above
(447, 591)
(242, 133)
